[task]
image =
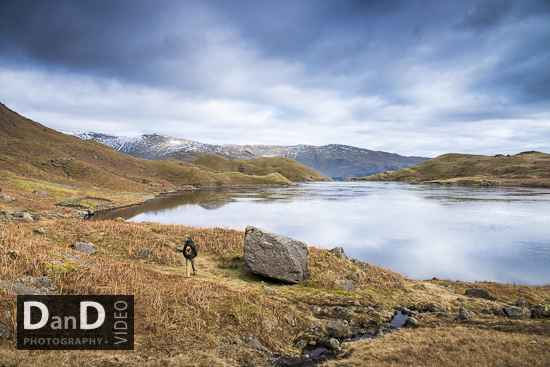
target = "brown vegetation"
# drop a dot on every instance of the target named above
(524, 169)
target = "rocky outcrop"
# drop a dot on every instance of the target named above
(479, 293)
(339, 252)
(274, 256)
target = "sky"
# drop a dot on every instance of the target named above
(418, 78)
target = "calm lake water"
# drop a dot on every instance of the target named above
(467, 233)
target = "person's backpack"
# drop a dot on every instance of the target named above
(189, 249)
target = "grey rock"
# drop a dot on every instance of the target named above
(406, 311)
(39, 231)
(445, 314)
(85, 247)
(521, 303)
(343, 312)
(4, 332)
(540, 311)
(386, 314)
(253, 343)
(339, 252)
(332, 343)
(20, 289)
(336, 328)
(18, 213)
(464, 314)
(450, 289)
(274, 256)
(498, 312)
(40, 192)
(73, 258)
(43, 284)
(348, 285)
(28, 217)
(514, 312)
(360, 264)
(411, 322)
(536, 341)
(479, 293)
(424, 286)
(316, 310)
(5, 198)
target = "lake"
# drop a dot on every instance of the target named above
(421, 231)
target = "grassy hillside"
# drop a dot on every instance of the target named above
(201, 321)
(525, 169)
(287, 167)
(34, 157)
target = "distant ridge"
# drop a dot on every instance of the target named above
(334, 160)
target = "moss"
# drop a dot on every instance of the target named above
(56, 269)
(235, 316)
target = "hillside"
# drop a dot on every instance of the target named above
(287, 167)
(34, 157)
(335, 160)
(523, 169)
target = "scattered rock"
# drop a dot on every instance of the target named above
(18, 213)
(386, 314)
(450, 289)
(411, 322)
(253, 343)
(316, 310)
(43, 284)
(5, 198)
(514, 312)
(339, 252)
(56, 268)
(521, 303)
(85, 247)
(343, 312)
(28, 217)
(479, 293)
(336, 328)
(359, 274)
(445, 314)
(14, 254)
(332, 343)
(535, 341)
(40, 192)
(348, 285)
(541, 311)
(4, 332)
(72, 258)
(39, 231)
(19, 289)
(424, 286)
(464, 314)
(274, 256)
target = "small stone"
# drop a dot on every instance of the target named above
(535, 341)
(40, 192)
(28, 217)
(332, 343)
(336, 328)
(464, 314)
(18, 214)
(424, 286)
(85, 247)
(339, 252)
(411, 322)
(5, 198)
(39, 231)
(316, 310)
(4, 332)
(253, 343)
(348, 285)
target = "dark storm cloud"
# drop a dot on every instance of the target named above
(321, 69)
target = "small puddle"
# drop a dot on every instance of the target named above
(396, 322)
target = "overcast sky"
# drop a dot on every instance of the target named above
(408, 77)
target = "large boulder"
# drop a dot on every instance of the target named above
(274, 256)
(479, 293)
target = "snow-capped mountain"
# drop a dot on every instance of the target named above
(334, 160)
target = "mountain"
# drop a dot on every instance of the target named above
(335, 161)
(523, 169)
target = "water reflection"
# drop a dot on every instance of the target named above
(498, 234)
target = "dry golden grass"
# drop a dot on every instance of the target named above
(182, 321)
(524, 169)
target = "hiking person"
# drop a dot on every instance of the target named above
(190, 253)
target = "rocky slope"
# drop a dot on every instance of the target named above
(334, 160)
